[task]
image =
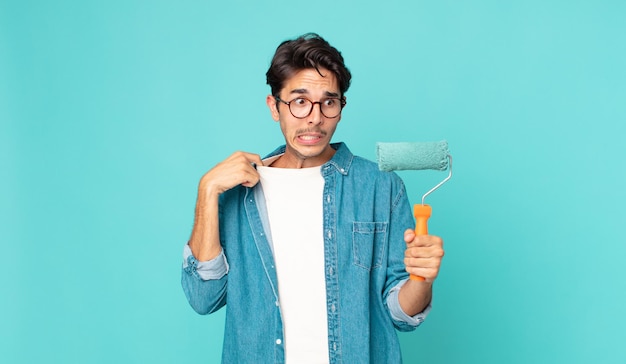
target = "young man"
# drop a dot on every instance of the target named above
(311, 247)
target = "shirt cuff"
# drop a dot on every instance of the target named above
(398, 314)
(215, 268)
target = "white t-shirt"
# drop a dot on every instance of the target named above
(295, 212)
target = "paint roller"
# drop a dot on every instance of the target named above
(416, 156)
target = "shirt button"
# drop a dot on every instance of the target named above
(333, 308)
(331, 271)
(279, 341)
(329, 234)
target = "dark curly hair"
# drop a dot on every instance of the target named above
(307, 51)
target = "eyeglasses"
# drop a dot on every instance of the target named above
(301, 107)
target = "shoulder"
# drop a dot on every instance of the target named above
(359, 165)
(367, 168)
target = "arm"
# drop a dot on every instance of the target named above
(204, 277)
(235, 170)
(422, 258)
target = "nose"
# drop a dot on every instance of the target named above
(316, 117)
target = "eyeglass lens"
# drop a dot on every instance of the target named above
(302, 107)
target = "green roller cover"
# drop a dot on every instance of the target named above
(412, 156)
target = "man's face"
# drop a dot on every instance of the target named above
(307, 139)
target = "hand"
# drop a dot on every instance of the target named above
(423, 255)
(235, 170)
(238, 169)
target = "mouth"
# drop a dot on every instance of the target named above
(310, 138)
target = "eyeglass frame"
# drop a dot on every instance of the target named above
(342, 103)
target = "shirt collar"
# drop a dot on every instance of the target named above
(341, 161)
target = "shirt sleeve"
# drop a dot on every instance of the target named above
(215, 268)
(398, 314)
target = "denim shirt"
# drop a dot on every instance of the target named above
(366, 212)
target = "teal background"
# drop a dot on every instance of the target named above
(110, 112)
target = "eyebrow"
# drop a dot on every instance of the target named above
(303, 91)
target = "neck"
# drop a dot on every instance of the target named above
(291, 160)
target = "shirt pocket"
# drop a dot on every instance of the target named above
(368, 243)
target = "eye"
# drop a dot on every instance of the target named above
(330, 102)
(299, 101)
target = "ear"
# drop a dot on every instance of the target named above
(340, 115)
(272, 104)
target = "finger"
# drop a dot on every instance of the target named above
(251, 179)
(426, 240)
(235, 170)
(257, 160)
(427, 268)
(422, 262)
(240, 161)
(409, 235)
(250, 176)
(429, 274)
(424, 252)
(248, 158)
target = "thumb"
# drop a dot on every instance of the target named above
(409, 235)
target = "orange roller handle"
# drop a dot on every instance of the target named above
(421, 213)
